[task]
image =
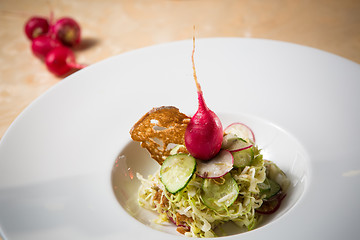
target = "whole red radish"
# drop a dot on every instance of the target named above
(61, 61)
(42, 45)
(36, 26)
(67, 31)
(204, 133)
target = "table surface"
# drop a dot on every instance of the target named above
(112, 27)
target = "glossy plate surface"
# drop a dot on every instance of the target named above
(58, 158)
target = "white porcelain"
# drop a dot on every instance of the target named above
(58, 159)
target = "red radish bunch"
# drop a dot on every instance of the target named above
(52, 42)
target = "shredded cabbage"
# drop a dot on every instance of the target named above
(187, 210)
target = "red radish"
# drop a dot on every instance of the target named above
(204, 133)
(240, 130)
(67, 31)
(36, 26)
(61, 61)
(220, 165)
(233, 143)
(42, 45)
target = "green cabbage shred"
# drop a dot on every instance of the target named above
(197, 218)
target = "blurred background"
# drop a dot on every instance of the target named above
(112, 27)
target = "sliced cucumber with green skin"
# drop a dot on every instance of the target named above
(243, 158)
(275, 173)
(264, 185)
(218, 194)
(233, 143)
(257, 160)
(176, 171)
(269, 188)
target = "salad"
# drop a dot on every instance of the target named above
(237, 185)
(207, 175)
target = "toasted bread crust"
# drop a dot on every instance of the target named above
(159, 128)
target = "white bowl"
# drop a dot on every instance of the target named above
(57, 159)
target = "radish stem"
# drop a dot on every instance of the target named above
(193, 64)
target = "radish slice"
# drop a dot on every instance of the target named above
(269, 207)
(217, 167)
(241, 131)
(233, 143)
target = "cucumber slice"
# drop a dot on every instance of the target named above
(243, 158)
(218, 194)
(269, 188)
(233, 144)
(277, 175)
(264, 185)
(257, 160)
(176, 171)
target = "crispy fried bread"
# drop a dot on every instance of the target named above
(159, 129)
